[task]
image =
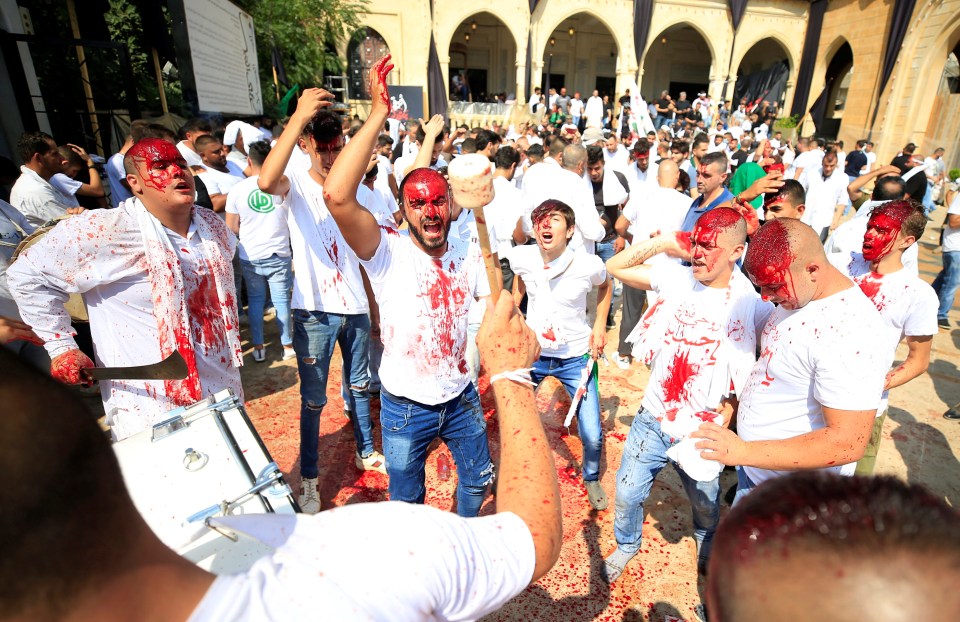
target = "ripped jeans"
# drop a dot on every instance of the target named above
(315, 333)
(409, 427)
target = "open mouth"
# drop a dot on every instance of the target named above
(182, 187)
(432, 227)
(546, 237)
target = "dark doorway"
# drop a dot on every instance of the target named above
(690, 88)
(607, 86)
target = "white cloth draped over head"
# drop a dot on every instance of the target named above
(250, 133)
(166, 282)
(736, 354)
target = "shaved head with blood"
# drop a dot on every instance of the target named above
(716, 244)
(157, 173)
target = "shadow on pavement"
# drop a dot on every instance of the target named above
(927, 454)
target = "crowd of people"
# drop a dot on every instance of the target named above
(768, 323)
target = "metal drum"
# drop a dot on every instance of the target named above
(204, 461)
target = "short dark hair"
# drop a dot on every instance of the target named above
(422, 134)
(155, 130)
(910, 148)
(641, 146)
(137, 129)
(557, 146)
(553, 205)
(791, 190)
(506, 157)
(594, 154)
(203, 140)
(98, 524)
(535, 152)
(468, 145)
(383, 140)
(699, 139)
(485, 137)
(34, 142)
(822, 513)
(325, 127)
(888, 188)
(258, 152)
(683, 180)
(716, 157)
(196, 124)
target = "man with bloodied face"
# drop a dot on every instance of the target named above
(907, 304)
(330, 293)
(810, 400)
(156, 276)
(424, 283)
(699, 339)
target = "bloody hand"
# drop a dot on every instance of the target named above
(68, 368)
(379, 93)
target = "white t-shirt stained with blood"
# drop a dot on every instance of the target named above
(100, 254)
(825, 354)
(326, 273)
(907, 304)
(683, 368)
(558, 297)
(424, 303)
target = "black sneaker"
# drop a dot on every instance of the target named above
(953, 414)
(944, 323)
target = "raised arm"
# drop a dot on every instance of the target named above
(431, 130)
(272, 180)
(359, 227)
(628, 265)
(854, 189)
(528, 477)
(95, 187)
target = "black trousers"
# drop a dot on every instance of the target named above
(631, 313)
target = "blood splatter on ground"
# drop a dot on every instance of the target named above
(660, 581)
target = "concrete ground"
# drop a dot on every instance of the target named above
(661, 582)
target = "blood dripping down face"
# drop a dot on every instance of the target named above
(160, 170)
(426, 201)
(709, 244)
(883, 229)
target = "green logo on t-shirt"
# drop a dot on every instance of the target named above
(260, 202)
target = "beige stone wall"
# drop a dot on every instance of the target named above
(905, 108)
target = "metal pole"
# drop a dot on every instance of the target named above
(159, 75)
(85, 77)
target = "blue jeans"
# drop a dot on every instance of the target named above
(409, 427)
(928, 204)
(744, 486)
(604, 251)
(644, 454)
(568, 371)
(947, 282)
(315, 333)
(273, 272)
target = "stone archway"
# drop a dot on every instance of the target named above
(766, 66)
(837, 83)
(483, 54)
(365, 47)
(580, 53)
(678, 59)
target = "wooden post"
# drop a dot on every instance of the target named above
(159, 73)
(85, 77)
(471, 180)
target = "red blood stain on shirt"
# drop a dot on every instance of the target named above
(206, 313)
(679, 373)
(549, 334)
(446, 296)
(706, 415)
(871, 284)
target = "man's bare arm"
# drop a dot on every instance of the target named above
(854, 188)
(628, 265)
(917, 362)
(841, 441)
(272, 180)
(528, 478)
(358, 226)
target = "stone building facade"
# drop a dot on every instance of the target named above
(691, 43)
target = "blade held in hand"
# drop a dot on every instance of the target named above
(171, 368)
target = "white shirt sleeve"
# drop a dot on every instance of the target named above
(377, 266)
(921, 319)
(65, 185)
(585, 212)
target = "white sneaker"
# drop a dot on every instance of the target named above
(373, 462)
(623, 362)
(259, 355)
(289, 353)
(309, 497)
